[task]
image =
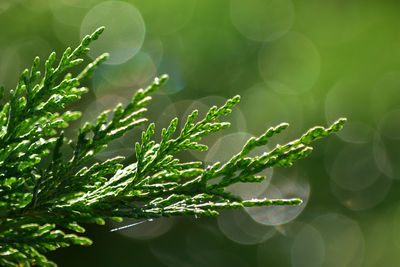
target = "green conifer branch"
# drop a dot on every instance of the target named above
(42, 207)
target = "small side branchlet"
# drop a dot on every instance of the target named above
(44, 196)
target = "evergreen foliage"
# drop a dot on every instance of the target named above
(44, 197)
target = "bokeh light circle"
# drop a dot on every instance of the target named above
(340, 101)
(239, 227)
(343, 240)
(363, 199)
(137, 72)
(281, 187)
(154, 47)
(386, 154)
(236, 118)
(226, 147)
(266, 108)
(290, 64)
(354, 167)
(381, 156)
(308, 249)
(356, 172)
(356, 132)
(251, 190)
(125, 30)
(262, 20)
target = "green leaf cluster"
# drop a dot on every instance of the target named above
(45, 196)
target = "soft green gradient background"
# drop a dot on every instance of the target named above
(303, 62)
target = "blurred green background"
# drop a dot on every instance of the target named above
(303, 62)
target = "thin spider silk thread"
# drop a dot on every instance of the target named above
(130, 225)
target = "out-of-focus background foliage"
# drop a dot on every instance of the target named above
(303, 62)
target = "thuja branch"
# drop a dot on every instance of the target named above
(44, 196)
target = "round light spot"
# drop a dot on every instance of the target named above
(154, 47)
(387, 156)
(290, 64)
(363, 199)
(267, 108)
(356, 132)
(251, 190)
(226, 147)
(202, 105)
(343, 239)
(281, 187)
(340, 101)
(308, 248)
(262, 20)
(382, 159)
(176, 82)
(239, 227)
(137, 72)
(354, 167)
(124, 34)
